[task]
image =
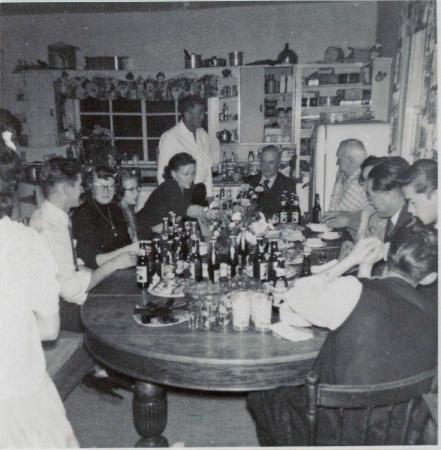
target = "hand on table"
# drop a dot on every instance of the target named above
(368, 251)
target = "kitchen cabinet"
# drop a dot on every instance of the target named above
(41, 109)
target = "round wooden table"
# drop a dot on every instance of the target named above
(219, 360)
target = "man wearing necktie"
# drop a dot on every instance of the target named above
(271, 180)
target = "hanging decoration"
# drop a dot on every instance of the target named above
(137, 88)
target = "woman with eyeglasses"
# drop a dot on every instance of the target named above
(98, 224)
(127, 192)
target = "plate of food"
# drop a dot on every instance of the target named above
(172, 288)
(159, 316)
(293, 235)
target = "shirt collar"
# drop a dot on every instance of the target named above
(394, 218)
(185, 129)
(56, 214)
(271, 180)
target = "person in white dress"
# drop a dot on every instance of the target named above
(31, 412)
(188, 136)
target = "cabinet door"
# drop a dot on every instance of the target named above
(252, 90)
(381, 88)
(40, 109)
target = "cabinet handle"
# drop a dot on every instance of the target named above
(51, 112)
(261, 108)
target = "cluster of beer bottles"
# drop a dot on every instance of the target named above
(289, 209)
(169, 252)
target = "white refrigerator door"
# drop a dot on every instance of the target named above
(374, 135)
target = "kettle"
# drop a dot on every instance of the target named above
(287, 56)
(224, 136)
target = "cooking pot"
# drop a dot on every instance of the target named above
(192, 60)
(224, 136)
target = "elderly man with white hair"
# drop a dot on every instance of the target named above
(348, 196)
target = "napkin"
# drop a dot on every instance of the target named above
(291, 333)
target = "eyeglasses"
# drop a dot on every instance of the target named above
(137, 189)
(102, 187)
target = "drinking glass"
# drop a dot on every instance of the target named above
(241, 311)
(194, 315)
(261, 307)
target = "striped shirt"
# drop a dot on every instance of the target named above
(348, 194)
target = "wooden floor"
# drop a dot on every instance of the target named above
(195, 419)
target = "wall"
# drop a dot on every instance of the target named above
(155, 40)
(388, 25)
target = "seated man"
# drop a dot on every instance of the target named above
(271, 180)
(348, 196)
(382, 330)
(62, 183)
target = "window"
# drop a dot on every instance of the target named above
(136, 125)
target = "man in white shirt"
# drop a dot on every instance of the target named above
(62, 183)
(188, 136)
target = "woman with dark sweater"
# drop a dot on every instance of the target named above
(98, 224)
(177, 194)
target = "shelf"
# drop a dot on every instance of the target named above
(286, 94)
(229, 97)
(337, 86)
(333, 109)
(229, 120)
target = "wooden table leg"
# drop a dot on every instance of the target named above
(150, 414)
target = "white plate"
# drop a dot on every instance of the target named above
(161, 293)
(182, 316)
(315, 243)
(330, 235)
(318, 227)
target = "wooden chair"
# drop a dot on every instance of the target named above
(366, 399)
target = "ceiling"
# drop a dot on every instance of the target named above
(7, 8)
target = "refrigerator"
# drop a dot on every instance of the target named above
(326, 139)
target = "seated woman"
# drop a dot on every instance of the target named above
(177, 193)
(31, 411)
(127, 191)
(98, 224)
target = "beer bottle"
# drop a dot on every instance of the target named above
(142, 267)
(316, 210)
(185, 242)
(229, 199)
(172, 218)
(272, 262)
(306, 266)
(280, 284)
(232, 260)
(260, 267)
(155, 265)
(296, 210)
(213, 263)
(243, 250)
(291, 206)
(195, 262)
(283, 209)
(178, 258)
(164, 233)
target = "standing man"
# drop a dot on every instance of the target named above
(271, 180)
(188, 136)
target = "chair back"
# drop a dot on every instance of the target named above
(367, 399)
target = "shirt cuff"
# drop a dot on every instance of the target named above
(75, 290)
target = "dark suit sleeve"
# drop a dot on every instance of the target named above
(85, 231)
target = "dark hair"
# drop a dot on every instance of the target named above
(100, 171)
(385, 175)
(413, 251)
(189, 102)
(9, 176)
(58, 170)
(177, 161)
(368, 162)
(122, 176)
(424, 174)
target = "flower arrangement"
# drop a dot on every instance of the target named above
(226, 221)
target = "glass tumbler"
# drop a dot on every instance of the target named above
(241, 311)
(261, 307)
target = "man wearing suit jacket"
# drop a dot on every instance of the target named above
(271, 180)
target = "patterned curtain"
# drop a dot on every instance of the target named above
(414, 101)
(151, 89)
